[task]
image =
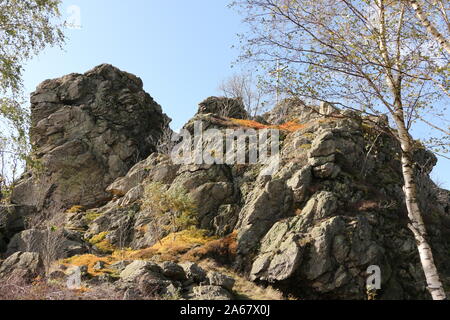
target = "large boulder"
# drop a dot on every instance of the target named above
(194, 272)
(24, 265)
(268, 202)
(140, 268)
(156, 168)
(210, 187)
(329, 257)
(173, 271)
(291, 109)
(87, 130)
(227, 107)
(222, 280)
(209, 293)
(12, 220)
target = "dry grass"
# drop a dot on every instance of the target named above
(171, 248)
(76, 209)
(247, 290)
(16, 288)
(189, 245)
(101, 243)
(183, 241)
(289, 126)
(177, 244)
(128, 254)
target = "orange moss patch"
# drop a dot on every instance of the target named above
(249, 123)
(169, 248)
(181, 242)
(89, 260)
(128, 254)
(76, 209)
(221, 250)
(289, 126)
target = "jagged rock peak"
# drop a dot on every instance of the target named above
(87, 130)
(105, 71)
(331, 208)
(227, 107)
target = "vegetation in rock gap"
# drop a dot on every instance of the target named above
(171, 210)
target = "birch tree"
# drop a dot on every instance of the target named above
(438, 7)
(26, 28)
(245, 87)
(354, 53)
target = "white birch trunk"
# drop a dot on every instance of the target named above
(417, 225)
(430, 28)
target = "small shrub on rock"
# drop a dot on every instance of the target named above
(171, 210)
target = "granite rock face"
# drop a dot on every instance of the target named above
(25, 265)
(332, 207)
(329, 212)
(87, 130)
(172, 280)
(227, 107)
(63, 243)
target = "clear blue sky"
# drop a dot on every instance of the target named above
(180, 49)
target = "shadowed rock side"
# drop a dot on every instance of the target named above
(311, 229)
(87, 130)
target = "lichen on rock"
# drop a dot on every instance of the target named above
(332, 207)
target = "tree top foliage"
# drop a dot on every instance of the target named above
(373, 54)
(26, 28)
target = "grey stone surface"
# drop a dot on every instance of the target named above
(219, 279)
(87, 130)
(25, 265)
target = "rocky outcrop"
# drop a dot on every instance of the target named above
(331, 210)
(268, 203)
(310, 225)
(12, 220)
(349, 215)
(87, 130)
(327, 252)
(293, 109)
(211, 187)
